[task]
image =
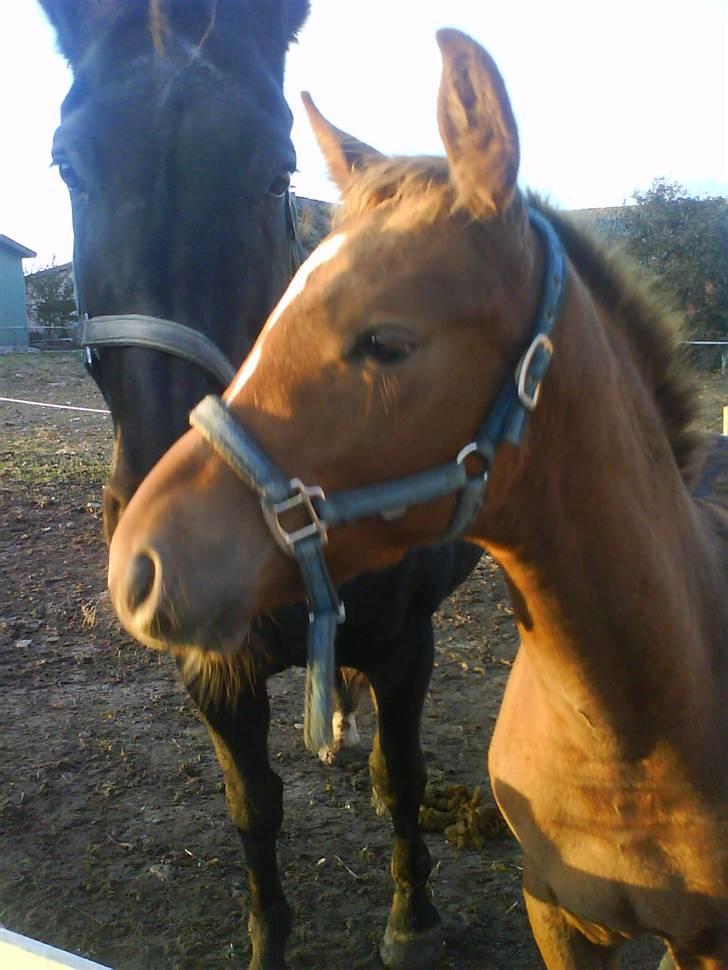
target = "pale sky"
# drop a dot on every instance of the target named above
(607, 96)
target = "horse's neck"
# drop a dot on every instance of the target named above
(610, 561)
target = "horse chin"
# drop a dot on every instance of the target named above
(227, 634)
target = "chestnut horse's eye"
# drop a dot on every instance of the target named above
(280, 185)
(384, 346)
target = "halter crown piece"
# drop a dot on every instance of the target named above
(278, 494)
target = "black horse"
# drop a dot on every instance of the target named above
(175, 146)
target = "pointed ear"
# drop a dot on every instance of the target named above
(68, 18)
(477, 125)
(278, 22)
(294, 15)
(78, 22)
(343, 153)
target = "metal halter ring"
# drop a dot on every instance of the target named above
(474, 449)
(302, 499)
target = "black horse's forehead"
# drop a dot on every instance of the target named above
(156, 76)
(186, 100)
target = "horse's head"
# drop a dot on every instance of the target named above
(175, 146)
(381, 360)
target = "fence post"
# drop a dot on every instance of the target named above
(725, 420)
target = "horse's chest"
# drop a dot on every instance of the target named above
(627, 856)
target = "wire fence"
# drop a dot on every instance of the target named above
(702, 345)
(53, 336)
(59, 407)
(709, 354)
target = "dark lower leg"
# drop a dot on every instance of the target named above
(398, 776)
(237, 718)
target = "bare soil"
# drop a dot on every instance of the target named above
(114, 838)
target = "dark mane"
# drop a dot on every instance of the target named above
(421, 186)
(274, 24)
(161, 29)
(652, 327)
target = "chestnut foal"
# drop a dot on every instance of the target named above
(394, 341)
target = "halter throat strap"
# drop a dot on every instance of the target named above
(280, 495)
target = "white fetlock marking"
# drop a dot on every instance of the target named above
(345, 735)
(338, 728)
(351, 734)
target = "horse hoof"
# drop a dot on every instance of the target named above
(330, 753)
(338, 757)
(411, 951)
(378, 803)
(268, 963)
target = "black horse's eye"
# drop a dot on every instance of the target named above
(384, 346)
(69, 175)
(280, 185)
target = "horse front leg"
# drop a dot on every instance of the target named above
(561, 944)
(237, 715)
(413, 937)
(690, 958)
(349, 687)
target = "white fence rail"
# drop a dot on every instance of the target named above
(21, 953)
(58, 407)
(713, 343)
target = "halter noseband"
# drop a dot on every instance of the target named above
(153, 333)
(278, 494)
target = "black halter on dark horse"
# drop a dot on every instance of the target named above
(175, 145)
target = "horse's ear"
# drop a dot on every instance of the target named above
(343, 153)
(70, 19)
(294, 14)
(477, 125)
(280, 20)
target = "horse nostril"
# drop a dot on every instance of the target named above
(141, 580)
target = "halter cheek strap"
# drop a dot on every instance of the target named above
(278, 494)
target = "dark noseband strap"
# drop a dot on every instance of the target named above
(156, 333)
(153, 333)
(279, 495)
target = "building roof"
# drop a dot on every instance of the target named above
(21, 251)
(609, 221)
(59, 269)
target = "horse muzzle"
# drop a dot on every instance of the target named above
(156, 606)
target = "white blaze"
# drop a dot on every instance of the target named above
(325, 252)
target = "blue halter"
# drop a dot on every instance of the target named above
(278, 494)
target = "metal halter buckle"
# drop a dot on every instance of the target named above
(340, 613)
(91, 362)
(302, 499)
(529, 399)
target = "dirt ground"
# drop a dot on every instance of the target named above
(114, 838)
